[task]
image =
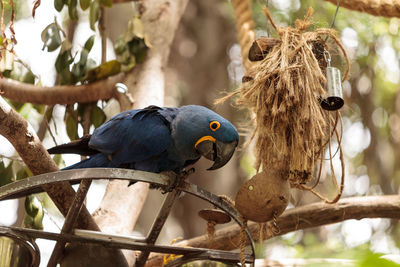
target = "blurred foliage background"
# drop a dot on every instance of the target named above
(64, 48)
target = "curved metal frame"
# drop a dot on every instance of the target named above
(26, 242)
(34, 185)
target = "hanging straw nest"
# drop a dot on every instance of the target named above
(284, 91)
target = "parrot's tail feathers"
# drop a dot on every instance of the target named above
(96, 161)
(79, 165)
(80, 146)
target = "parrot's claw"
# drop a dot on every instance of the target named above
(175, 180)
(186, 173)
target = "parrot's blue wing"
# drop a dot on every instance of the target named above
(133, 136)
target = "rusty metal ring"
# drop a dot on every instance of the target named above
(24, 241)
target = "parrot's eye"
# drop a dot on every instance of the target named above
(214, 125)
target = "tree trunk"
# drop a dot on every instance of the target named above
(121, 205)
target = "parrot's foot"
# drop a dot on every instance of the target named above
(176, 180)
(185, 173)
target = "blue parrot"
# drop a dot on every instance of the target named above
(156, 139)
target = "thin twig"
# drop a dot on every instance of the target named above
(35, 6)
(13, 40)
(102, 30)
(2, 26)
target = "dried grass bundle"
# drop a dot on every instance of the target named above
(291, 128)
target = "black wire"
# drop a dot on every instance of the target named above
(334, 18)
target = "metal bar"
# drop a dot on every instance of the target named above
(106, 241)
(90, 233)
(218, 202)
(158, 224)
(70, 220)
(33, 184)
(211, 255)
(25, 241)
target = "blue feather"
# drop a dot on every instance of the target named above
(152, 139)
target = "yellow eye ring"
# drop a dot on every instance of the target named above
(214, 125)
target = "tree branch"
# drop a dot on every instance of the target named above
(59, 94)
(308, 216)
(15, 129)
(384, 8)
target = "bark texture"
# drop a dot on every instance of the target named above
(121, 205)
(25, 141)
(59, 94)
(384, 8)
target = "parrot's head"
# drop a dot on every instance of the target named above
(203, 132)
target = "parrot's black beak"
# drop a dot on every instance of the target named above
(217, 151)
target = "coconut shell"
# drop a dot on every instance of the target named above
(265, 194)
(261, 47)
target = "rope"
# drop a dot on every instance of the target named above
(244, 28)
(211, 230)
(261, 232)
(385, 8)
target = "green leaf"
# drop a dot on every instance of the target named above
(58, 5)
(22, 174)
(106, 3)
(29, 77)
(120, 46)
(81, 109)
(135, 29)
(39, 108)
(34, 213)
(374, 259)
(138, 48)
(89, 43)
(84, 4)
(25, 110)
(84, 56)
(66, 77)
(6, 174)
(72, 126)
(91, 63)
(59, 160)
(106, 69)
(94, 14)
(79, 71)
(51, 37)
(138, 28)
(62, 62)
(32, 207)
(72, 9)
(97, 116)
(130, 64)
